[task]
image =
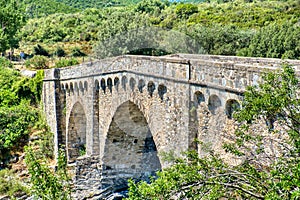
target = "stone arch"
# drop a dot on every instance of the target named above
(124, 82)
(109, 84)
(76, 136)
(151, 88)
(162, 90)
(129, 147)
(141, 85)
(214, 103)
(231, 106)
(103, 84)
(116, 83)
(198, 98)
(132, 83)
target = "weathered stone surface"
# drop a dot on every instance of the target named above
(116, 116)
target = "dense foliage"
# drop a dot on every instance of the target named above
(10, 184)
(11, 20)
(47, 184)
(268, 29)
(83, 4)
(66, 62)
(210, 178)
(275, 41)
(42, 8)
(17, 94)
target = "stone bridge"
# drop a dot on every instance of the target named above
(116, 117)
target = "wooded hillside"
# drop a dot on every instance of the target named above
(265, 29)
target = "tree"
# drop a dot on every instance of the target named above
(275, 41)
(11, 20)
(210, 178)
(219, 40)
(275, 99)
(47, 184)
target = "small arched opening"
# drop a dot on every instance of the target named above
(71, 87)
(81, 87)
(214, 104)
(62, 87)
(141, 85)
(132, 84)
(86, 86)
(198, 98)
(76, 87)
(116, 83)
(109, 84)
(97, 86)
(231, 106)
(162, 90)
(124, 82)
(103, 85)
(151, 88)
(67, 88)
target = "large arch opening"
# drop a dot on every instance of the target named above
(76, 133)
(130, 151)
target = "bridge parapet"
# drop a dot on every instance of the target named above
(154, 66)
(227, 72)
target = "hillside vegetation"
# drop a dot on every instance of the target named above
(265, 29)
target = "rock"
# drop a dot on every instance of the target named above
(116, 196)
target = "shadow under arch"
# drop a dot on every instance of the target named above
(130, 151)
(76, 136)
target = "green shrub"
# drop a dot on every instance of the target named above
(7, 79)
(15, 124)
(47, 184)
(5, 63)
(275, 41)
(37, 62)
(29, 88)
(184, 10)
(66, 62)
(46, 139)
(39, 50)
(10, 184)
(60, 52)
(219, 40)
(76, 52)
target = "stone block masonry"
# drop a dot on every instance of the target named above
(116, 116)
